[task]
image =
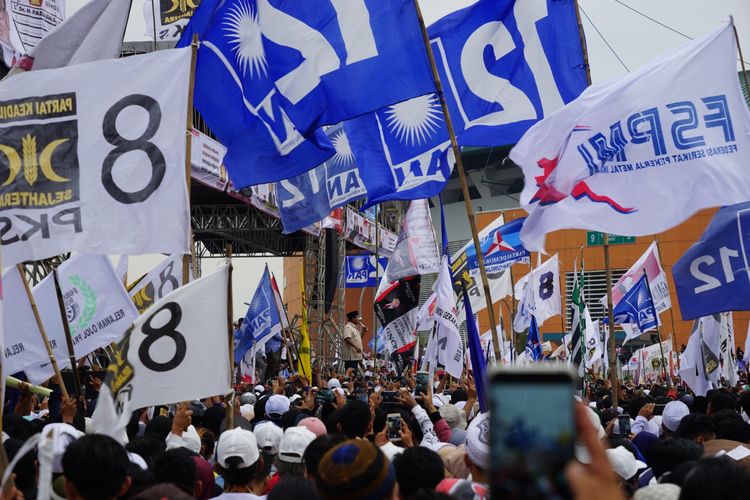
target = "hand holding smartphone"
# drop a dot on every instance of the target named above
(393, 423)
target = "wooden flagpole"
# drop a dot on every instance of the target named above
(43, 332)
(658, 333)
(66, 329)
(230, 336)
(739, 51)
(462, 177)
(187, 258)
(377, 268)
(611, 319)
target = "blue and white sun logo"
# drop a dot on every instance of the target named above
(242, 27)
(344, 154)
(414, 121)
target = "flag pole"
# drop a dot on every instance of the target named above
(462, 177)
(377, 268)
(153, 21)
(42, 331)
(66, 329)
(671, 313)
(230, 336)
(187, 258)
(658, 333)
(739, 50)
(611, 318)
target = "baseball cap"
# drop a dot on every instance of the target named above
(314, 425)
(62, 435)
(276, 406)
(268, 436)
(294, 443)
(478, 441)
(248, 398)
(237, 443)
(334, 382)
(259, 389)
(673, 414)
(624, 463)
(247, 411)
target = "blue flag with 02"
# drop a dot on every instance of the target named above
(360, 270)
(403, 150)
(501, 248)
(713, 275)
(261, 320)
(238, 100)
(637, 306)
(332, 60)
(310, 197)
(507, 64)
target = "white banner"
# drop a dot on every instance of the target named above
(538, 294)
(639, 155)
(97, 308)
(92, 158)
(175, 352)
(206, 158)
(727, 348)
(651, 362)
(23, 345)
(692, 368)
(161, 280)
(171, 17)
(593, 340)
(450, 349)
(24, 22)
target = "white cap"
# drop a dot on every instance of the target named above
(247, 411)
(294, 398)
(260, 389)
(62, 436)
(478, 441)
(268, 436)
(237, 443)
(334, 382)
(624, 463)
(277, 405)
(137, 460)
(673, 413)
(294, 443)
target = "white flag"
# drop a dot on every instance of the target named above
(426, 314)
(657, 280)
(92, 158)
(23, 345)
(93, 33)
(727, 348)
(160, 281)
(691, 363)
(594, 348)
(23, 23)
(416, 250)
(710, 333)
(640, 155)
(97, 308)
(538, 294)
(450, 347)
(122, 269)
(177, 351)
(170, 17)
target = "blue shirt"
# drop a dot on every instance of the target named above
(274, 343)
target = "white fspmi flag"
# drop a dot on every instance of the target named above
(97, 308)
(642, 154)
(450, 349)
(416, 251)
(538, 294)
(22, 340)
(92, 158)
(93, 33)
(177, 351)
(161, 280)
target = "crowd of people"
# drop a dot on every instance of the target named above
(330, 437)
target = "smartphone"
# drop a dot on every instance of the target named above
(363, 396)
(623, 424)
(324, 396)
(423, 380)
(530, 445)
(389, 396)
(393, 422)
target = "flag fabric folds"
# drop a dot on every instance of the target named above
(280, 303)
(650, 263)
(637, 307)
(396, 308)
(501, 248)
(361, 271)
(303, 364)
(161, 280)
(536, 65)
(711, 276)
(450, 352)
(578, 325)
(261, 320)
(175, 352)
(478, 362)
(609, 159)
(533, 342)
(23, 341)
(93, 154)
(538, 294)
(93, 32)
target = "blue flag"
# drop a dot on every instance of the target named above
(443, 229)
(310, 197)
(501, 248)
(478, 362)
(237, 97)
(637, 306)
(380, 334)
(403, 150)
(713, 275)
(533, 343)
(261, 320)
(360, 270)
(507, 64)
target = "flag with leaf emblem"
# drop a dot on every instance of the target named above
(577, 306)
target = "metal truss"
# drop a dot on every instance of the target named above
(36, 270)
(249, 230)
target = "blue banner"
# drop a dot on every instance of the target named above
(637, 306)
(403, 150)
(310, 197)
(360, 270)
(713, 275)
(533, 342)
(507, 64)
(501, 248)
(261, 320)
